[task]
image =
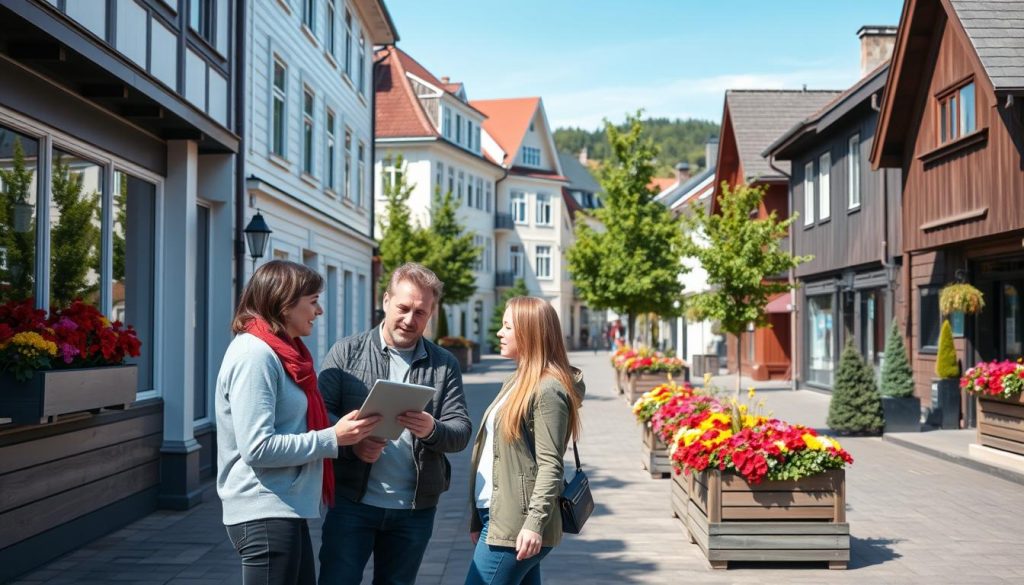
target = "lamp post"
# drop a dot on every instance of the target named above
(257, 234)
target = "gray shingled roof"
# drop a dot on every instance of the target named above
(996, 28)
(579, 176)
(761, 116)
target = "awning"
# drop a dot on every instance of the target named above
(779, 305)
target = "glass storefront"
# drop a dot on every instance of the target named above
(19, 162)
(820, 339)
(872, 325)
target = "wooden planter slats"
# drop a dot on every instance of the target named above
(732, 520)
(51, 393)
(621, 381)
(1001, 423)
(654, 454)
(680, 496)
(640, 383)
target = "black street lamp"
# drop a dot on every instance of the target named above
(257, 234)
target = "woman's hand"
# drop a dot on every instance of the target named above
(527, 544)
(474, 536)
(350, 431)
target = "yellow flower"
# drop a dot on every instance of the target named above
(812, 442)
(707, 378)
(782, 446)
(750, 392)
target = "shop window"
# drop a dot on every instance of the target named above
(928, 320)
(19, 161)
(76, 187)
(820, 339)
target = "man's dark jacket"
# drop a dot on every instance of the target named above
(350, 370)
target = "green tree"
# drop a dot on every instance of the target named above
(401, 240)
(897, 377)
(740, 256)
(451, 254)
(946, 365)
(856, 405)
(633, 266)
(518, 290)
(120, 225)
(19, 246)
(75, 237)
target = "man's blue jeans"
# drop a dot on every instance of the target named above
(352, 532)
(497, 565)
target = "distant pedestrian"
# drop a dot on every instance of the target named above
(274, 440)
(517, 459)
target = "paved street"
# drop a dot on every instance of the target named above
(914, 518)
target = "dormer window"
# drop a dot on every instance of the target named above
(531, 156)
(447, 131)
(957, 113)
(531, 126)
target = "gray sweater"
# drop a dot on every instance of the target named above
(268, 464)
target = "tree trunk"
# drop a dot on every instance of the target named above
(655, 331)
(631, 329)
(739, 363)
(442, 322)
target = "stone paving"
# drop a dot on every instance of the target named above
(914, 518)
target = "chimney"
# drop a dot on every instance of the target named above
(876, 44)
(682, 172)
(583, 157)
(711, 152)
(445, 80)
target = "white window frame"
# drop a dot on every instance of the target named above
(853, 170)
(478, 263)
(544, 210)
(330, 149)
(446, 124)
(824, 186)
(461, 185)
(515, 261)
(451, 181)
(309, 15)
(308, 131)
(542, 261)
(362, 64)
(458, 129)
(347, 188)
(479, 192)
(488, 252)
(348, 43)
(531, 156)
(517, 208)
(278, 94)
(488, 196)
(809, 193)
(361, 177)
(439, 176)
(331, 15)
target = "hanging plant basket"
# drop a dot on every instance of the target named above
(961, 298)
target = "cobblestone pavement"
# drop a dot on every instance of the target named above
(914, 518)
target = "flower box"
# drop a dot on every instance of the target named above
(54, 392)
(1001, 423)
(654, 454)
(731, 519)
(621, 381)
(637, 384)
(680, 496)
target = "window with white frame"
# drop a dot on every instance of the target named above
(543, 255)
(279, 124)
(462, 185)
(487, 197)
(543, 209)
(479, 193)
(853, 171)
(330, 162)
(517, 207)
(447, 123)
(515, 260)
(309, 15)
(824, 187)
(439, 177)
(809, 193)
(330, 17)
(531, 156)
(347, 179)
(488, 253)
(361, 178)
(451, 180)
(478, 264)
(308, 103)
(470, 196)
(362, 64)
(458, 129)
(469, 134)
(391, 174)
(348, 42)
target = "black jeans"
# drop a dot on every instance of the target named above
(274, 551)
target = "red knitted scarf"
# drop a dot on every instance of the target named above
(298, 363)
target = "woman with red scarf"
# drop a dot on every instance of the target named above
(274, 440)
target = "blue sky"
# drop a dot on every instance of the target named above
(595, 59)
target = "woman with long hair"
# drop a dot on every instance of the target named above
(517, 459)
(274, 440)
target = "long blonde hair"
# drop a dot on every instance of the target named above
(541, 353)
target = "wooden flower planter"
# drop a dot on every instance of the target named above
(621, 381)
(640, 383)
(733, 520)
(55, 392)
(463, 355)
(680, 495)
(1001, 423)
(654, 454)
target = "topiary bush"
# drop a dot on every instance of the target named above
(856, 405)
(946, 365)
(897, 376)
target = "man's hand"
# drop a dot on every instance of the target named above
(419, 423)
(369, 449)
(527, 544)
(474, 536)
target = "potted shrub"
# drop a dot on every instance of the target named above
(460, 348)
(948, 383)
(999, 388)
(654, 450)
(762, 489)
(901, 409)
(69, 361)
(856, 406)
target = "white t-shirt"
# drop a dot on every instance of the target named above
(485, 469)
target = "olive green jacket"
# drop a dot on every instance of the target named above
(526, 487)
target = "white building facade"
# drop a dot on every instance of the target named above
(310, 146)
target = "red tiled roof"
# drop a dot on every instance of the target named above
(399, 113)
(413, 66)
(507, 121)
(659, 184)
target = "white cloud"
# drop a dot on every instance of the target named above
(700, 97)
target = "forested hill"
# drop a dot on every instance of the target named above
(677, 140)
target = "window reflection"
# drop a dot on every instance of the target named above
(19, 161)
(134, 217)
(75, 202)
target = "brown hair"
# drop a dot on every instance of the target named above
(274, 287)
(419, 275)
(538, 336)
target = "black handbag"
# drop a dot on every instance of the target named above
(576, 502)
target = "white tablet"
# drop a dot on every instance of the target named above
(390, 399)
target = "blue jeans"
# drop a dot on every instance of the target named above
(497, 565)
(352, 532)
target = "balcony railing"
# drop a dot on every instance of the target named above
(503, 221)
(504, 278)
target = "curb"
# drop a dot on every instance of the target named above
(1000, 472)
